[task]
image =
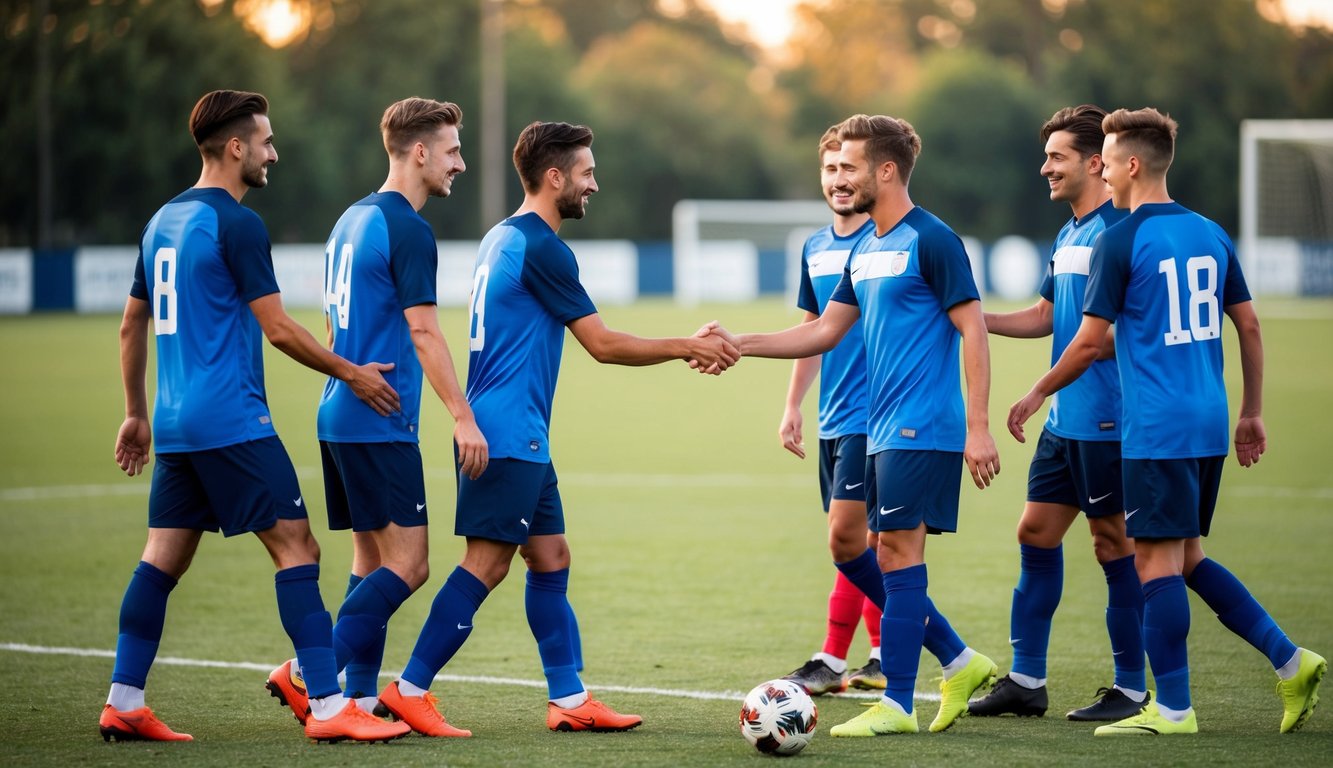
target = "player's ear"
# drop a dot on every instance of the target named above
(1095, 164)
(555, 178)
(235, 147)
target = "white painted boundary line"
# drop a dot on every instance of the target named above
(477, 679)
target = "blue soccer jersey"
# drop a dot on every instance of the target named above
(905, 282)
(525, 290)
(380, 260)
(842, 370)
(1089, 408)
(1163, 276)
(202, 259)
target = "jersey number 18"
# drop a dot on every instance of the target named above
(1204, 318)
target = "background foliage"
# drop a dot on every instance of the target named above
(683, 105)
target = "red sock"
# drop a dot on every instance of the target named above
(844, 605)
(872, 614)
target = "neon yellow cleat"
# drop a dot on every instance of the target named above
(1150, 722)
(979, 673)
(879, 719)
(1300, 694)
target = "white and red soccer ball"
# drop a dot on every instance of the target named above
(778, 717)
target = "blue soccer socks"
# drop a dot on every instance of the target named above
(940, 639)
(1124, 623)
(142, 613)
(1166, 626)
(309, 626)
(1040, 584)
(902, 631)
(358, 637)
(447, 627)
(1239, 612)
(863, 571)
(547, 604)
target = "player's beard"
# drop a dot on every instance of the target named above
(571, 206)
(254, 175)
(864, 201)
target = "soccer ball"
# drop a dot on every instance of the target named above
(778, 717)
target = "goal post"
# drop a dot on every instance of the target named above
(716, 243)
(1286, 206)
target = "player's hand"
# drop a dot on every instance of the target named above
(132, 444)
(367, 382)
(789, 432)
(713, 349)
(1251, 440)
(1021, 411)
(983, 459)
(473, 451)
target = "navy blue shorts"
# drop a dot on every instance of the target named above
(241, 488)
(908, 488)
(842, 468)
(511, 501)
(1171, 498)
(369, 485)
(1076, 473)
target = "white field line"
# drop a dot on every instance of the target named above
(603, 480)
(476, 679)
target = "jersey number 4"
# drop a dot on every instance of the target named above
(338, 284)
(477, 338)
(1204, 317)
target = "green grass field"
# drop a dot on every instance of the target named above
(700, 570)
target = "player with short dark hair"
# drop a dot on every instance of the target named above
(1165, 275)
(205, 280)
(842, 439)
(380, 277)
(525, 293)
(1077, 462)
(911, 283)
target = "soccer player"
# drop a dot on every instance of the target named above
(1165, 275)
(842, 438)
(380, 267)
(205, 278)
(525, 293)
(1077, 462)
(911, 283)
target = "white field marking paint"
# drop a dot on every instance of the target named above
(479, 679)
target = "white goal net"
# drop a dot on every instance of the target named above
(1286, 206)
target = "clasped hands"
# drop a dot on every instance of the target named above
(713, 349)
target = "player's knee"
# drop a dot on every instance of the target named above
(1109, 542)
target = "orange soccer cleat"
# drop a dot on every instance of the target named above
(286, 684)
(356, 724)
(419, 713)
(136, 725)
(591, 715)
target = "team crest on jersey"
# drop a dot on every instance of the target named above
(898, 264)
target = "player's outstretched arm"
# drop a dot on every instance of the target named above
(135, 436)
(813, 338)
(979, 452)
(438, 365)
(1251, 437)
(1031, 323)
(804, 370)
(292, 338)
(619, 348)
(1083, 349)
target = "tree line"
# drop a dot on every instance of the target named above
(97, 94)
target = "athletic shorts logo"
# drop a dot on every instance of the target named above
(886, 511)
(421, 506)
(1130, 514)
(1103, 497)
(854, 486)
(465, 626)
(297, 501)
(524, 522)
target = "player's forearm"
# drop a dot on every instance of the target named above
(438, 365)
(804, 340)
(1251, 367)
(1076, 359)
(976, 370)
(804, 371)
(134, 357)
(1031, 323)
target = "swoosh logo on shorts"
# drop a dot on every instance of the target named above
(1130, 514)
(420, 507)
(1103, 497)
(884, 511)
(850, 487)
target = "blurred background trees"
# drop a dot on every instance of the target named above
(97, 92)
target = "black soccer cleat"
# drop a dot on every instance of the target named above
(1010, 698)
(1113, 705)
(818, 678)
